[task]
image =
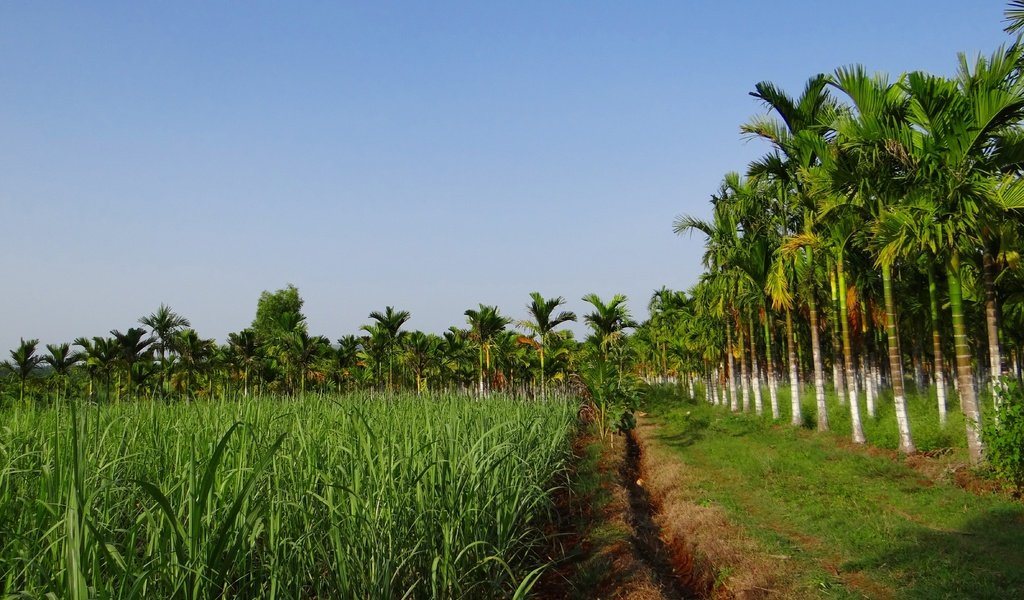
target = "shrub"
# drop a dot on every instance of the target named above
(1004, 437)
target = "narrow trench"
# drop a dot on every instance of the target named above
(646, 538)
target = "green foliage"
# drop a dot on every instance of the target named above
(272, 312)
(1004, 437)
(613, 392)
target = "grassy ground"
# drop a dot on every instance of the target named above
(846, 523)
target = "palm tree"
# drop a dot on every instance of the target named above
(61, 359)
(247, 350)
(720, 279)
(608, 321)
(955, 150)
(1014, 14)
(164, 324)
(133, 348)
(303, 350)
(544, 322)
(799, 139)
(867, 175)
(101, 356)
(346, 357)
(194, 356)
(422, 354)
(23, 361)
(485, 323)
(389, 325)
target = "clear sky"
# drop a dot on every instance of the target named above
(426, 155)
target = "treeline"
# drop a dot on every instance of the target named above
(876, 244)
(165, 357)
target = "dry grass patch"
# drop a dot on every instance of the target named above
(723, 560)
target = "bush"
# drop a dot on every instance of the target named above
(1004, 437)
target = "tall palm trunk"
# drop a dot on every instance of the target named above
(995, 359)
(773, 392)
(797, 418)
(838, 380)
(965, 375)
(734, 403)
(858, 429)
(819, 377)
(755, 378)
(895, 366)
(481, 369)
(940, 374)
(867, 364)
(744, 375)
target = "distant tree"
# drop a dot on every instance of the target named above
(389, 325)
(245, 351)
(61, 359)
(133, 347)
(608, 321)
(23, 361)
(422, 353)
(270, 308)
(165, 324)
(485, 324)
(194, 355)
(544, 321)
(101, 356)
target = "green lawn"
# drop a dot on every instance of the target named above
(849, 524)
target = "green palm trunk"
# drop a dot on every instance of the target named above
(858, 429)
(995, 359)
(839, 381)
(940, 374)
(965, 375)
(734, 403)
(895, 365)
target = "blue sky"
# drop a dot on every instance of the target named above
(426, 155)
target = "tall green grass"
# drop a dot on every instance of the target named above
(349, 497)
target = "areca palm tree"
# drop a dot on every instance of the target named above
(543, 323)
(608, 321)
(194, 356)
(485, 324)
(101, 355)
(61, 359)
(955, 152)
(246, 349)
(389, 325)
(422, 352)
(164, 325)
(133, 347)
(24, 361)
(799, 136)
(868, 175)
(303, 350)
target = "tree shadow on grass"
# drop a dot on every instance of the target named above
(684, 431)
(983, 559)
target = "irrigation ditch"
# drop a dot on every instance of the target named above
(670, 561)
(616, 538)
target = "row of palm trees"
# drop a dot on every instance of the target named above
(886, 213)
(167, 358)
